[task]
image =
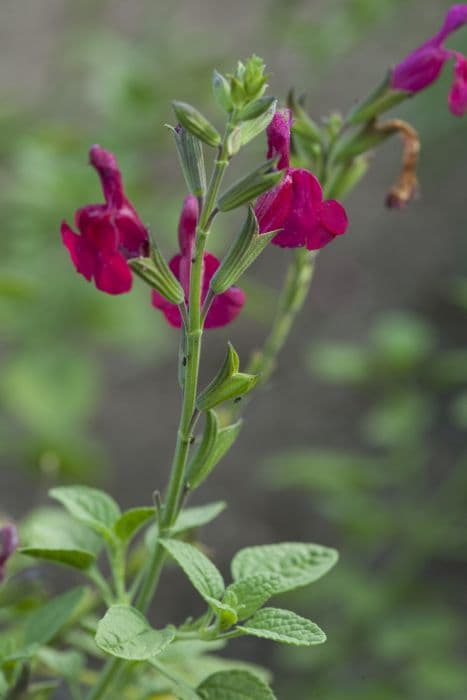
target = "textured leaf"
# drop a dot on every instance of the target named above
(125, 633)
(131, 521)
(197, 516)
(284, 626)
(252, 592)
(52, 535)
(204, 576)
(234, 685)
(295, 564)
(44, 623)
(92, 507)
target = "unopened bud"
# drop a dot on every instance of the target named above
(196, 123)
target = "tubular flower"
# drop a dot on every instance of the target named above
(109, 234)
(225, 307)
(423, 65)
(296, 204)
(8, 545)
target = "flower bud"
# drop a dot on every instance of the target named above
(250, 187)
(244, 251)
(229, 383)
(221, 90)
(197, 124)
(190, 154)
(255, 109)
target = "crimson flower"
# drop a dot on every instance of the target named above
(296, 204)
(225, 307)
(423, 65)
(109, 234)
(8, 545)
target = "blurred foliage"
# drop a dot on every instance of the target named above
(394, 604)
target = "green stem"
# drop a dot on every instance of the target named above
(114, 667)
(292, 298)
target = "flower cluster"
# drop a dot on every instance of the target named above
(110, 234)
(424, 65)
(296, 205)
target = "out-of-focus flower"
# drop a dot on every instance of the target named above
(296, 204)
(109, 234)
(8, 544)
(423, 65)
(224, 307)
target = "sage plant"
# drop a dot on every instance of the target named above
(97, 640)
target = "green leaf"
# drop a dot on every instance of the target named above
(247, 131)
(45, 623)
(244, 251)
(92, 507)
(252, 592)
(263, 178)
(3, 685)
(125, 633)
(131, 521)
(197, 516)
(204, 576)
(283, 626)
(52, 535)
(214, 445)
(295, 564)
(234, 685)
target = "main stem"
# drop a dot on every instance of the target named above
(194, 332)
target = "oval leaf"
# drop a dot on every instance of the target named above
(92, 507)
(125, 633)
(204, 576)
(131, 521)
(295, 564)
(233, 685)
(284, 626)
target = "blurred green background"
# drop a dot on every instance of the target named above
(359, 440)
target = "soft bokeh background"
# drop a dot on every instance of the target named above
(358, 442)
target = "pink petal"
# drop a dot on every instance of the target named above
(225, 308)
(421, 68)
(133, 236)
(456, 17)
(81, 252)
(187, 224)
(98, 228)
(304, 208)
(278, 133)
(458, 93)
(318, 237)
(113, 274)
(333, 217)
(170, 311)
(273, 207)
(107, 167)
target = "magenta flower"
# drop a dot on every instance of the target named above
(296, 204)
(8, 544)
(423, 65)
(225, 307)
(109, 234)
